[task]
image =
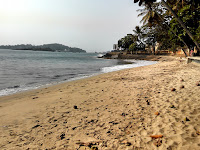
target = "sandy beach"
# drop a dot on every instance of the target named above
(149, 107)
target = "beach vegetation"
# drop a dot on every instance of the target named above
(132, 42)
(167, 25)
(177, 20)
(132, 47)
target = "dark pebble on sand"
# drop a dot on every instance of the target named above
(148, 103)
(35, 97)
(173, 89)
(108, 132)
(36, 126)
(74, 128)
(75, 107)
(124, 114)
(62, 136)
(187, 119)
(172, 106)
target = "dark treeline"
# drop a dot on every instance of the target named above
(45, 47)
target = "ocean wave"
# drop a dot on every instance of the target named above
(13, 90)
(135, 63)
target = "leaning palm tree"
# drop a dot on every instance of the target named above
(147, 2)
(182, 24)
(150, 15)
(150, 3)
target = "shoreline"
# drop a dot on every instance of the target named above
(70, 81)
(19, 89)
(115, 110)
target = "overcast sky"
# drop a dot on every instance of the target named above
(93, 25)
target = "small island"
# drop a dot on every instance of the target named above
(55, 47)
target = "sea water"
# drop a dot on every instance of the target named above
(22, 70)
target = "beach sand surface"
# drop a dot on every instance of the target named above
(150, 107)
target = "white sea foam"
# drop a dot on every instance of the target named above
(9, 91)
(136, 63)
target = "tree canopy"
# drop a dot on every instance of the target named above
(171, 23)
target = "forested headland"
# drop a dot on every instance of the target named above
(44, 47)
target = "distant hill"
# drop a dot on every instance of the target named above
(45, 47)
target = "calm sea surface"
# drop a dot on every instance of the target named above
(23, 70)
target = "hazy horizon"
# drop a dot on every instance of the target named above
(90, 25)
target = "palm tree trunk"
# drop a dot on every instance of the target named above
(182, 24)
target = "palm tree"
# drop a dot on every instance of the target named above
(138, 33)
(150, 15)
(182, 24)
(147, 2)
(150, 3)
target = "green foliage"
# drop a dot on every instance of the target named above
(159, 25)
(197, 36)
(190, 17)
(120, 43)
(132, 47)
(130, 40)
(151, 14)
(173, 48)
(138, 36)
(126, 41)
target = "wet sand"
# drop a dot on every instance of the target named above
(149, 107)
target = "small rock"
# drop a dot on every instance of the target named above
(62, 136)
(35, 97)
(172, 106)
(148, 103)
(75, 107)
(124, 114)
(36, 126)
(157, 113)
(182, 86)
(182, 80)
(158, 142)
(94, 148)
(108, 132)
(74, 128)
(90, 144)
(186, 119)
(198, 83)
(173, 89)
(128, 144)
(125, 142)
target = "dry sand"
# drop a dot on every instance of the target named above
(118, 110)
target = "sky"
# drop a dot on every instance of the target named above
(93, 25)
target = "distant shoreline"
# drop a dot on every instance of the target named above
(45, 47)
(44, 50)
